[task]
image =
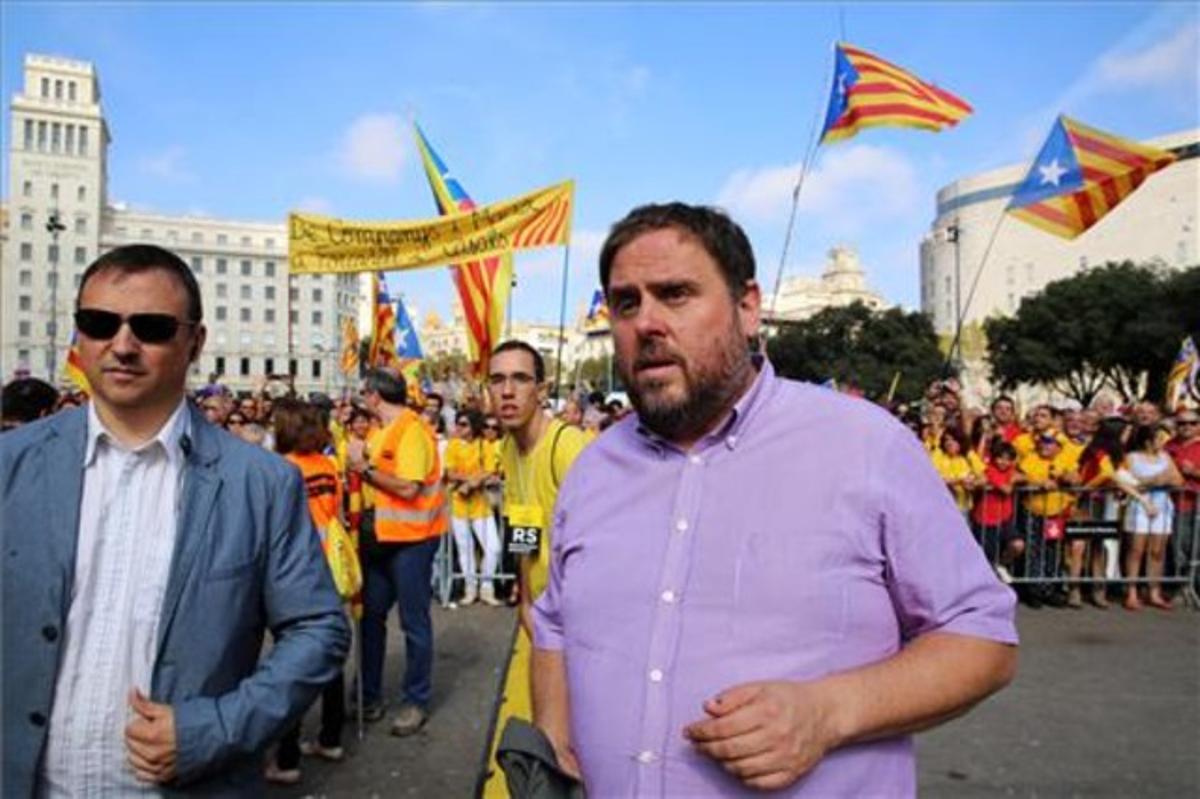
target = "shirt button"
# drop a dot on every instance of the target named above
(681, 525)
(50, 633)
(645, 757)
(668, 596)
(37, 719)
(656, 675)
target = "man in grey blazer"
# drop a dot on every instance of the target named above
(145, 552)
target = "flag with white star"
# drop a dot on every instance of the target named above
(1080, 174)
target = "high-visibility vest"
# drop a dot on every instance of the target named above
(407, 520)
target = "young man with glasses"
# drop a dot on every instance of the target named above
(136, 603)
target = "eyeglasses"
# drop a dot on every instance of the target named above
(149, 328)
(518, 380)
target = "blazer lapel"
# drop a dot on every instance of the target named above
(201, 484)
(64, 460)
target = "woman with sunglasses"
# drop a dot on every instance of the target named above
(470, 515)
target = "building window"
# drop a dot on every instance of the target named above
(81, 255)
(247, 269)
(269, 244)
(221, 313)
(27, 188)
(147, 233)
(51, 279)
(24, 303)
(245, 314)
(81, 193)
(69, 140)
(294, 294)
(219, 365)
(71, 91)
(222, 266)
(29, 134)
(23, 329)
(294, 317)
(269, 315)
(197, 237)
(245, 291)
(26, 278)
(317, 295)
(45, 87)
(222, 238)
(244, 367)
(269, 366)
(222, 291)
(53, 191)
(316, 317)
(269, 269)
(58, 90)
(52, 253)
(293, 366)
(26, 251)
(55, 137)
(78, 279)
(245, 241)
(316, 369)
(197, 264)
(81, 224)
(83, 140)
(26, 221)
(268, 292)
(41, 136)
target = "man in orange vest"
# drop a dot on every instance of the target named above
(406, 515)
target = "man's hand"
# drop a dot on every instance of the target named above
(150, 739)
(767, 734)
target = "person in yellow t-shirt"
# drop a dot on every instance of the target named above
(1041, 421)
(956, 468)
(470, 515)
(1043, 515)
(535, 456)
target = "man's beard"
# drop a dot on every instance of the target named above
(709, 390)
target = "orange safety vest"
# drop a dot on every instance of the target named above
(408, 520)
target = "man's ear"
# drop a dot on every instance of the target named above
(197, 343)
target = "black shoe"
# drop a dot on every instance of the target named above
(1032, 601)
(1056, 601)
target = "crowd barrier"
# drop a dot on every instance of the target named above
(1080, 538)
(447, 574)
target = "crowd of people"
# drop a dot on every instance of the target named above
(1099, 498)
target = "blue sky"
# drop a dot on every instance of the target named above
(249, 110)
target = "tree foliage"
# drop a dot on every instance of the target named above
(1119, 325)
(854, 344)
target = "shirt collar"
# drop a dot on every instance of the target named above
(170, 436)
(729, 430)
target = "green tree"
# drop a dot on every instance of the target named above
(854, 344)
(1118, 325)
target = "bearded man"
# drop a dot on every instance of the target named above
(755, 584)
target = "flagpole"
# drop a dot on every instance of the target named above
(805, 166)
(962, 314)
(562, 319)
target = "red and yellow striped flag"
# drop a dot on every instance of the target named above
(383, 328)
(869, 92)
(1080, 175)
(73, 367)
(349, 361)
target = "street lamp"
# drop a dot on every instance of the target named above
(54, 226)
(952, 235)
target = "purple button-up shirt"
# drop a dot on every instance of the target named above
(808, 535)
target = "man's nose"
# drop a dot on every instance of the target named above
(650, 319)
(124, 342)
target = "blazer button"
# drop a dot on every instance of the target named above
(37, 719)
(50, 633)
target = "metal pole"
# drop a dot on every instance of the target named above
(55, 226)
(954, 232)
(562, 320)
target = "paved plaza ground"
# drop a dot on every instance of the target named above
(1105, 704)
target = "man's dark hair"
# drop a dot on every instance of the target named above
(390, 386)
(136, 258)
(26, 400)
(1002, 398)
(539, 363)
(722, 238)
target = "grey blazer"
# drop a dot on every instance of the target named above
(246, 560)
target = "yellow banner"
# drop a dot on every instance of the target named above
(324, 244)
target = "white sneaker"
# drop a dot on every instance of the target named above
(281, 776)
(487, 595)
(468, 599)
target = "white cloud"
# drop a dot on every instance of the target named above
(1163, 63)
(167, 165)
(374, 148)
(851, 188)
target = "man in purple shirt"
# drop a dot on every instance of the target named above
(755, 583)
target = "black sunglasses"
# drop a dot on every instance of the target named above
(150, 328)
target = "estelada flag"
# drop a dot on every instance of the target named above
(349, 361)
(483, 286)
(869, 92)
(1183, 378)
(1080, 175)
(73, 367)
(596, 321)
(383, 328)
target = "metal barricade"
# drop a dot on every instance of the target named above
(1042, 541)
(447, 574)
